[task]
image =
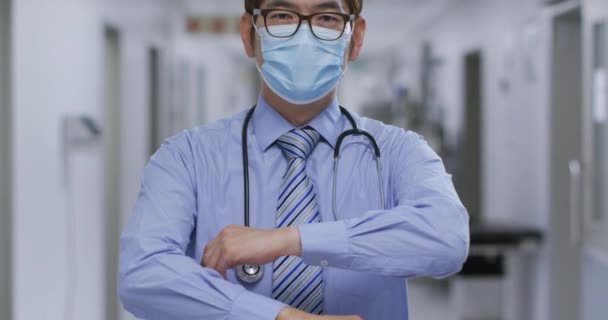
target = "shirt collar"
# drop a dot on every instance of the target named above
(269, 125)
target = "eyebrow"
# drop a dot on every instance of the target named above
(329, 5)
(281, 3)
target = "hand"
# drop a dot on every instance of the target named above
(237, 245)
(295, 314)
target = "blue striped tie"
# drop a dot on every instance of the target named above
(295, 283)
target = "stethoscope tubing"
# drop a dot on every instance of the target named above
(244, 272)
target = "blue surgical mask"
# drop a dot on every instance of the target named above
(302, 69)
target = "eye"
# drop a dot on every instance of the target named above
(281, 17)
(329, 21)
(328, 18)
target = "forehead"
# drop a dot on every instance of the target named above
(306, 5)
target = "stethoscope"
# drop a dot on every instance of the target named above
(253, 273)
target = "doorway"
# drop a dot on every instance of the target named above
(112, 164)
(201, 95)
(469, 177)
(5, 160)
(563, 238)
(154, 99)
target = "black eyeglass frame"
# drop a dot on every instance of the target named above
(348, 18)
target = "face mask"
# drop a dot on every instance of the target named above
(302, 69)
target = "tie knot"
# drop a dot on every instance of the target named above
(299, 143)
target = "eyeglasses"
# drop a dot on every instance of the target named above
(280, 23)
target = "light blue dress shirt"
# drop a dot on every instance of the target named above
(193, 188)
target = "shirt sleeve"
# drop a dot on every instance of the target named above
(157, 280)
(425, 234)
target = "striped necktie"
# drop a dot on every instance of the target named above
(295, 283)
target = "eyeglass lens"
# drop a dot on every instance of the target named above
(281, 23)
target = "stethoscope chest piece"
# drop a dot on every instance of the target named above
(249, 273)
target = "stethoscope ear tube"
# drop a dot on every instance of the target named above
(335, 183)
(355, 131)
(246, 165)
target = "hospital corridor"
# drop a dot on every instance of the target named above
(101, 99)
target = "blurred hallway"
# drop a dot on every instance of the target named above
(513, 95)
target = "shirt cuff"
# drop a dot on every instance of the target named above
(250, 305)
(325, 244)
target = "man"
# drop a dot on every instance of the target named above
(185, 236)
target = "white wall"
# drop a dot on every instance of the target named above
(58, 70)
(5, 222)
(513, 37)
(227, 70)
(228, 74)
(513, 120)
(54, 73)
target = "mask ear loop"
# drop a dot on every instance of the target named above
(256, 12)
(351, 35)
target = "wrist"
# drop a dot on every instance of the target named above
(289, 313)
(284, 314)
(289, 238)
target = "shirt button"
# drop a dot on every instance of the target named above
(324, 263)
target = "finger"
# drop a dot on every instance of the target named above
(224, 274)
(214, 265)
(208, 253)
(223, 263)
(213, 257)
(205, 258)
(218, 258)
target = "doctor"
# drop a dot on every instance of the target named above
(332, 242)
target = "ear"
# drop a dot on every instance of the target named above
(358, 38)
(246, 34)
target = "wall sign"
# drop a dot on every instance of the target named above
(213, 24)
